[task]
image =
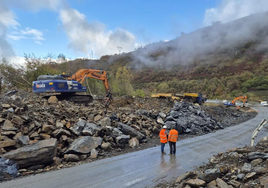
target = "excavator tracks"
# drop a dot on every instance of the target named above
(85, 99)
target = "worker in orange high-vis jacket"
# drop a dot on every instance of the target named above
(172, 139)
(163, 138)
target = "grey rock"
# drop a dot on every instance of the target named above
(170, 124)
(41, 152)
(260, 170)
(256, 162)
(79, 127)
(122, 140)
(127, 130)
(90, 129)
(212, 174)
(162, 115)
(116, 132)
(105, 122)
(240, 176)
(8, 126)
(7, 168)
(71, 158)
(23, 140)
(84, 145)
(59, 132)
(257, 155)
(17, 120)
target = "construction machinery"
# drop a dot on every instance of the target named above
(68, 86)
(232, 103)
(162, 95)
(190, 97)
(194, 98)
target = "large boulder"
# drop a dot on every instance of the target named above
(84, 145)
(41, 152)
(127, 130)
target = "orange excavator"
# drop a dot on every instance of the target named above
(68, 86)
(232, 103)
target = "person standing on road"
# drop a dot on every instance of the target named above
(172, 139)
(163, 138)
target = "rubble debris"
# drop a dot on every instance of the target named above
(248, 170)
(69, 132)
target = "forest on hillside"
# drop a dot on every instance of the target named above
(226, 79)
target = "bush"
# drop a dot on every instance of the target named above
(140, 93)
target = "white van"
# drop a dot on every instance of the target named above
(264, 103)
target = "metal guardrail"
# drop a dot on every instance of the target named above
(255, 132)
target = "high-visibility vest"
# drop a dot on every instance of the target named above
(173, 135)
(163, 136)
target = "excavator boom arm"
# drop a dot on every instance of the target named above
(242, 97)
(81, 74)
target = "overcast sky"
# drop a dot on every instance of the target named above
(92, 28)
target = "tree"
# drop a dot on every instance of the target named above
(38, 66)
(163, 87)
(122, 84)
(12, 76)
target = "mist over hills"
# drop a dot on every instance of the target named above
(216, 44)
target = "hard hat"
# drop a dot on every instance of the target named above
(164, 127)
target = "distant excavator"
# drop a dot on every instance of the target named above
(232, 103)
(68, 86)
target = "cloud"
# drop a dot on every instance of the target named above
(28, 33)
(87, 36)
(230, 10)
(228, 38)
(35, 5)
(16, 60)
(8, 21)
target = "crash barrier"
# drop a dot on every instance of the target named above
(255, 132)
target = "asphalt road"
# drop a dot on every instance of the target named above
(148, 167)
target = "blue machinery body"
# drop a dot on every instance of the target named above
(59, 84)
(56, 84)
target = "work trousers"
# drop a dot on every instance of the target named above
(172, 146)
(162, 147)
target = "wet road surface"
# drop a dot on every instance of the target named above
(148, 167)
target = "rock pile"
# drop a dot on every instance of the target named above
(197, 120)
(238, 167)
(36, 132)
(191, 119)
(40, 135)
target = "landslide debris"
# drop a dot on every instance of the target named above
(245, 167)
(63, 134)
